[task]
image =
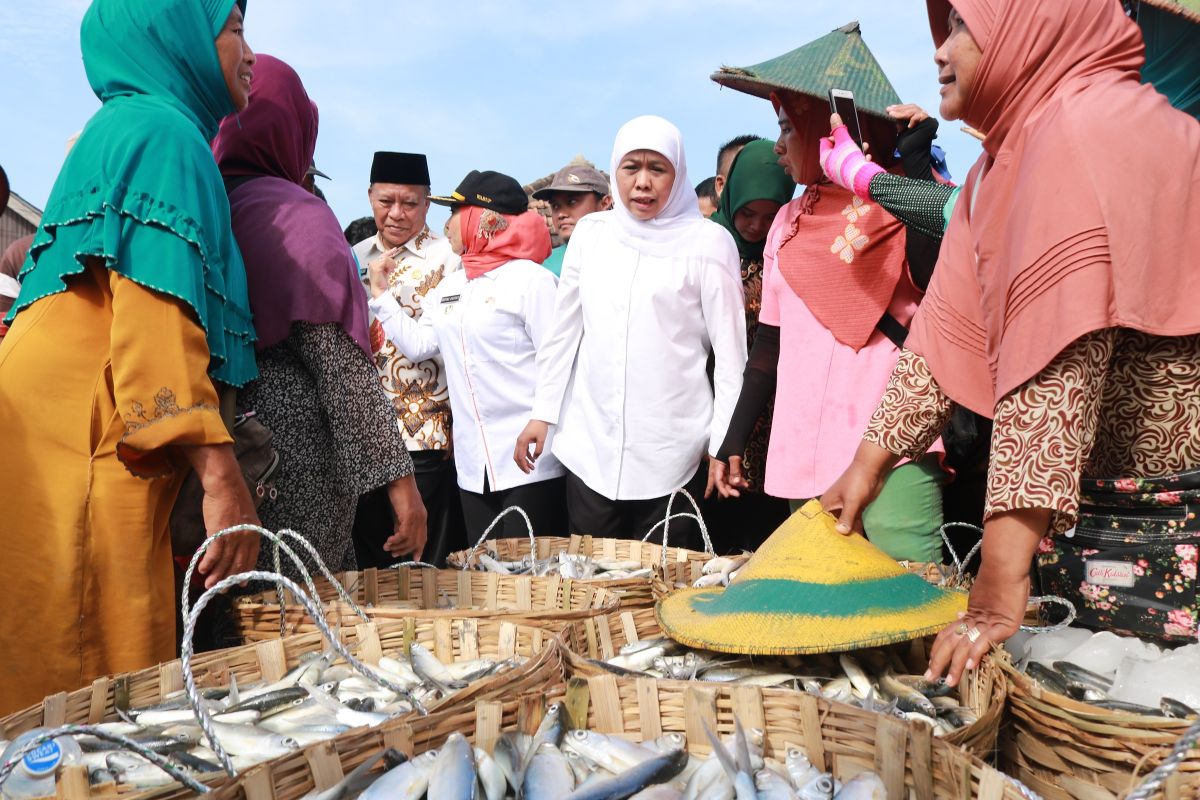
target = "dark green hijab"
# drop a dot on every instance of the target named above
(754, 175)
(140, 188)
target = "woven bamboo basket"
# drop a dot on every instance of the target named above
(1067, 750)
(984, 690)
(840, 738)
(402, 592)
(682, 565)
(450, 639)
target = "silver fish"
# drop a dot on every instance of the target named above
(547, 775)
(432, 671)
(358, 778)
(864, 786)
(409, 781)
(658, 769)
(453, 776)
(491, 777)
(821, 787)
(246, 740)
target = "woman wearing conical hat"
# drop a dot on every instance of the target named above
(1067, 310)
(840, 285)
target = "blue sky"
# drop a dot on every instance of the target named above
(519, 86)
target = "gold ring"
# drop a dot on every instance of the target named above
(973, 635)
(962, 629)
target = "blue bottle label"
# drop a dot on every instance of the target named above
(43, 760)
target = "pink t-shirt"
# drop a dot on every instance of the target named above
(826, 392)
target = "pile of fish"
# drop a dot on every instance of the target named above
(1118, 673)
(720, 571)
(558, 763)
(315, 701)
(876, 680)
(566, 565)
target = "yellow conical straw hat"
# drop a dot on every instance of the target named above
(810, 589)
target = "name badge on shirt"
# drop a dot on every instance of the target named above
(451, 298)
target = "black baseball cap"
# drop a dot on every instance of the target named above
(487, 189)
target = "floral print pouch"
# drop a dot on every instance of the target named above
(1129, 566)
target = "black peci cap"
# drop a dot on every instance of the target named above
(410, 169)
(487, 189)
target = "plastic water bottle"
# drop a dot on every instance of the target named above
(35, 775)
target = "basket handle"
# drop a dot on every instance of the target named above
(91, 730)
(316, 557)
(960, 565)
(314, 611)
(510, 510)
(1042, 600)
(1155, 780)
(668, 516)
(266, 534)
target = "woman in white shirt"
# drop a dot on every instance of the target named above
(648, 291)
(488, 321)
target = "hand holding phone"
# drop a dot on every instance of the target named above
(841, 102)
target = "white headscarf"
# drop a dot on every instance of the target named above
(681, 211)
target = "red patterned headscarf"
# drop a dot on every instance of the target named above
(491, 239)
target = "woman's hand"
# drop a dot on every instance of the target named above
(226, 503)
(858, 486)
(727, 480)
(908, 115)
(411, 531)
(530, 444)
(844, 162)
(380, 269)
(999, 595)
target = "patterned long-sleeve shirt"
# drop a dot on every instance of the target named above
(1115, 403)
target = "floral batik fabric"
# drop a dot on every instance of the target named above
(754, 464)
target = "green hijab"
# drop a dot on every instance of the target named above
(140, 188)
(754, 175)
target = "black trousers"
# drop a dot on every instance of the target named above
(742, 523)
(438, 484)
(592, 513)
(545, 502)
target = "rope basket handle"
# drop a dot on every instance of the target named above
(266, 534)
(960, 565)
(91, 730)
(1157, 778)
(666, 524)
(1041, 600)
(510, 510)
(342, 593)
(314, 611)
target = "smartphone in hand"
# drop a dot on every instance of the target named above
(841, 102)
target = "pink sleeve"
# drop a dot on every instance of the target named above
(769, 313)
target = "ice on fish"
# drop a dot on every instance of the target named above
(1046, 648)
(1103, 652)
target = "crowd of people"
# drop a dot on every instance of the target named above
(749, 346)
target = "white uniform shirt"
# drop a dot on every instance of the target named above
(418, 390)
(488, 331)
(623, 372)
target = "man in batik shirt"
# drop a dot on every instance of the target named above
(399, 196)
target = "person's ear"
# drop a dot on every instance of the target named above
(606, 203)
(719, 184)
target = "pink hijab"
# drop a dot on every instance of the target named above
(1083, 213)
(491, 239)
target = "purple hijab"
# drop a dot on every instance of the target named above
(298, 265)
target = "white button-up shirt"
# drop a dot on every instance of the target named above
(488, 331)
(417, 389)
(623, 372)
